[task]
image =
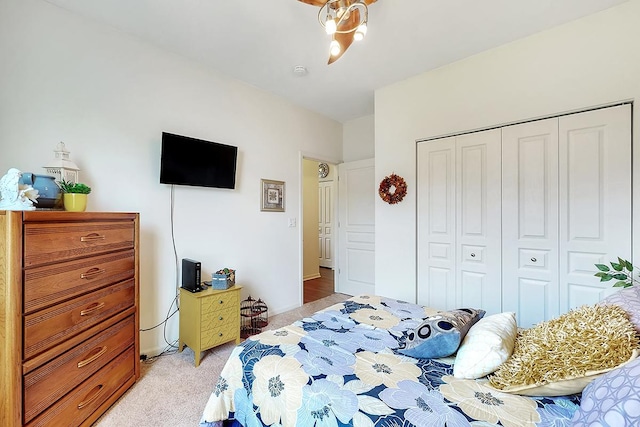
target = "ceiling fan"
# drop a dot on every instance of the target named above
(344, 20)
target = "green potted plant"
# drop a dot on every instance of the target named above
(74, 195)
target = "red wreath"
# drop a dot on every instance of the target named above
(399, 189)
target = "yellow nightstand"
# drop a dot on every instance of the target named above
(209, 318)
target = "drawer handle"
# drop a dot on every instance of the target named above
(92, 237)
(220, 334)
(220, 318)
(533, 260)
(94, 307)
(221, 302)
(93, 357)
(93, 395)
(91, 273)
(473, 255)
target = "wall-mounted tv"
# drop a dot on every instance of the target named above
(196, 162)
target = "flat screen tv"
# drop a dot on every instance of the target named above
(196, 162)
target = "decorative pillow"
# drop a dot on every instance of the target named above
(613, 399)
(629, 300)
(561, 356)
(440, 335)
(487, 345)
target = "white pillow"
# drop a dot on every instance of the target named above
(487, 345)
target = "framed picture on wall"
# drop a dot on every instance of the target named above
(272, 198)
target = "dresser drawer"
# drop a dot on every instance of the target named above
(50, 382)
(51, 284)
(54, 242)
(48, 327)
(77, 405)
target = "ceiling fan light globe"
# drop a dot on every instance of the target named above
(360, 32)
(330, 26)
(334, 48)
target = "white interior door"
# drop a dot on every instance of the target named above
(459, 246)
(478, 221)
(356, 225)
(595, 200)
(325, 223)
(530, 220)
(436, 199)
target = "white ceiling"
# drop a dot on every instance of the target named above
(260, 41)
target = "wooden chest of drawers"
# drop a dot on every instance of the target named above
(209, 318)
(68, 315)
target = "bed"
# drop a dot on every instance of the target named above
(341, 367)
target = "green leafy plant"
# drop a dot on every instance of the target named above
(622, 271)
(74, 187)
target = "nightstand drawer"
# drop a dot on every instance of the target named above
(222, 301)
(76, 406)
(54, 242)
(53, 380)
(220, 335)
(212, 320)
(51, 284)
(46, 328)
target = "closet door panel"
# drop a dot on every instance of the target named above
(436, 223)
(478, 194)
(530, 220)
(595, 194)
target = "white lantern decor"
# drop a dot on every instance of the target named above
(61, 167)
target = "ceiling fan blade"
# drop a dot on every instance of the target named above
(345, 39)
(318, 3)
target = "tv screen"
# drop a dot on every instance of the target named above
(196, 162)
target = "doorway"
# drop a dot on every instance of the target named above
(318, 213)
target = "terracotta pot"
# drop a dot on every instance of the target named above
(75, 202)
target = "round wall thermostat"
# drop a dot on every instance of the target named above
(323, 170)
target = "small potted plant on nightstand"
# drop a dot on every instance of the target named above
(74, 195)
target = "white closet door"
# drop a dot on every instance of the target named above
(530, 220)
(595, 200)
(478, 221)
(436, 223)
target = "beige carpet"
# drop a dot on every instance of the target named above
(173, 392)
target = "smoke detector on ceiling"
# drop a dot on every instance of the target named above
(300, 70)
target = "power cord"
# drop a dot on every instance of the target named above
(171, 347)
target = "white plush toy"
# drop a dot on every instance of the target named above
(15, 196)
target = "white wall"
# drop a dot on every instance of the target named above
(589, 62)
(358, 139)
(109, 97)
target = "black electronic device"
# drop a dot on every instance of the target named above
(196, 162)
(191, 275)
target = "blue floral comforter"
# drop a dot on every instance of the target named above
(339, 368)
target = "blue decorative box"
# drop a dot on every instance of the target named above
(222, 281)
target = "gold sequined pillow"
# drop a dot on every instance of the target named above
(561, 356)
